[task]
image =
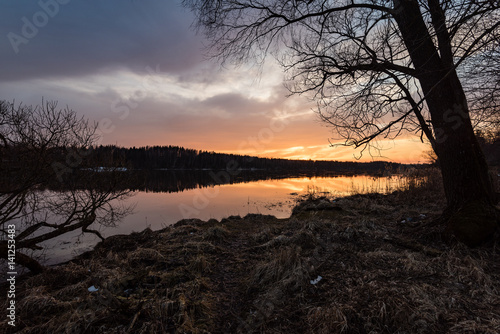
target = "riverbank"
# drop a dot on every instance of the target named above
(360, 264)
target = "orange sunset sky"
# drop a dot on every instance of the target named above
(138, 69)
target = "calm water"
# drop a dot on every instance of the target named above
(157, 210)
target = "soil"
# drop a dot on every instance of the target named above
(360, 264)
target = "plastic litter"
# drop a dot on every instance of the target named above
(93, 289)
(316, 281)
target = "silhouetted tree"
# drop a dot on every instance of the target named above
(379, 68)
(41, 149)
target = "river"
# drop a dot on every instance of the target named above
(157, 209)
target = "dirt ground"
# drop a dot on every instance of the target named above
(361, 264)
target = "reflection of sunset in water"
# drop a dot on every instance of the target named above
(157, 210)
(336, 186)
(274, 197)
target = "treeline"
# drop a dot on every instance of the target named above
(179, 158)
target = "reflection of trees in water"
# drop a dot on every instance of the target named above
(174, 181)
(180, 180)
(41, 148)
(184, 179)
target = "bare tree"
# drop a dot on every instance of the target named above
(481, 81)
(43, 191)
(380, 68)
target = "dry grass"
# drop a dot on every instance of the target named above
(287, 269)
(411, 181)
(384, 264)
(216, 234)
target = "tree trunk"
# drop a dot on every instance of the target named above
(22, 259)
(33, 265)
(467, 184)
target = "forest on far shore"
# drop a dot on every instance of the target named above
(180, 158)
(175, 157)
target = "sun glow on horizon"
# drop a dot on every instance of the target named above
(403, 150)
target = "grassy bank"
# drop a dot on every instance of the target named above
(361, 264)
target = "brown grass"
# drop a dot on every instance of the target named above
(385, 266)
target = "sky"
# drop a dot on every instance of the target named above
(139, 69)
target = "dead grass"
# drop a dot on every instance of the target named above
(216, 234)
(381, 272)
(287, 268)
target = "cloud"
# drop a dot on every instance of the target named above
(138, 64)
(88, 37)
(229, 104)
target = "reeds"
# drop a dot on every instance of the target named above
(408, 180)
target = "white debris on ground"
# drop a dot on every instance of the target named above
(316, 281)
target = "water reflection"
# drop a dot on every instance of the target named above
(180, 180)
(275, 197)
(158, 205)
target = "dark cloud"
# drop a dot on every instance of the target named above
(79, 38)
(85, 54)
(234, 103)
